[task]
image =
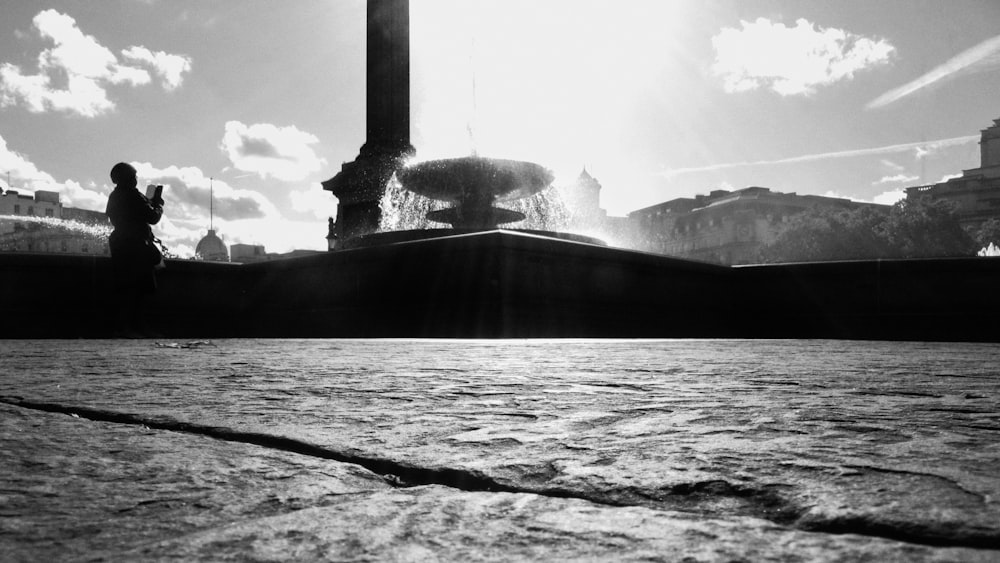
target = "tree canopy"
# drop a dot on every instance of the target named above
(988, 232)
(912, 228)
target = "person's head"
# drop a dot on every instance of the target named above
(124, 174)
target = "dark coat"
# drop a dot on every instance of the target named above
(131, 242)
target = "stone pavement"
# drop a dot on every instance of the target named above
(78, 489)
(546, 463)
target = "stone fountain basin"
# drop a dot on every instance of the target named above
(386, 238)
(473, 177)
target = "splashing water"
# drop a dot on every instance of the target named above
(544, 211)
(403, 210)
(97, 231)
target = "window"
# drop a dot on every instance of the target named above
(63, 246)
(17, 210)
(31, 210)
(48, 213)
(84, 248)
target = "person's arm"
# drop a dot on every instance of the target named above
(157, 207)
(151, 210)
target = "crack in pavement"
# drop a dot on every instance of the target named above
(765, 502)
(395, 473)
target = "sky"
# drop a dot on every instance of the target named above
(258, 101)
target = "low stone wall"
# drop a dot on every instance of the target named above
(61, 296)
(512, 285)
(931, 299)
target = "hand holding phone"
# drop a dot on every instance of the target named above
(154, 193)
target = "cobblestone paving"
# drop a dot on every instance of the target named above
(603, 450)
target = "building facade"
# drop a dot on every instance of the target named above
(976, 193)
(244, 253)
(39, 223)
(725, 227)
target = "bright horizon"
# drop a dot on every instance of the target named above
(657, 99)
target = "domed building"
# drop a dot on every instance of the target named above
(211, 248)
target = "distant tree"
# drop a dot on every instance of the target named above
(913, 228)
(924, 228)
(986, 233)
(823, 233)
(803, 238)
(862, 236)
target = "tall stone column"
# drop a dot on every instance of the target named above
(360, 185)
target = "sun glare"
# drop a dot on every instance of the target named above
(555, 82)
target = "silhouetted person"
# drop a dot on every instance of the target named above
(133, 252)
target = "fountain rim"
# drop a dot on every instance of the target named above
(386, 238)
(534, 177)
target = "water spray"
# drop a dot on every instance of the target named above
(97, 231)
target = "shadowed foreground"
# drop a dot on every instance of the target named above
(508, 284)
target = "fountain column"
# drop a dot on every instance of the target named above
(360, 184)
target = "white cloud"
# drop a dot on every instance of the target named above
(268, 150)
(315, 201)
(792, 60)
(170, 68)
(188, 190)
(240, 215)
(921, 151)
(922, 147)
(896, 179)
(187, 209)
(981, 56)
(947, 177)
(277, 234)
(75, 73)
(23, 173)
(73, 194)
(890, 197)
(892, 165)
(831, 193)
(26, 177)
(884, 198)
